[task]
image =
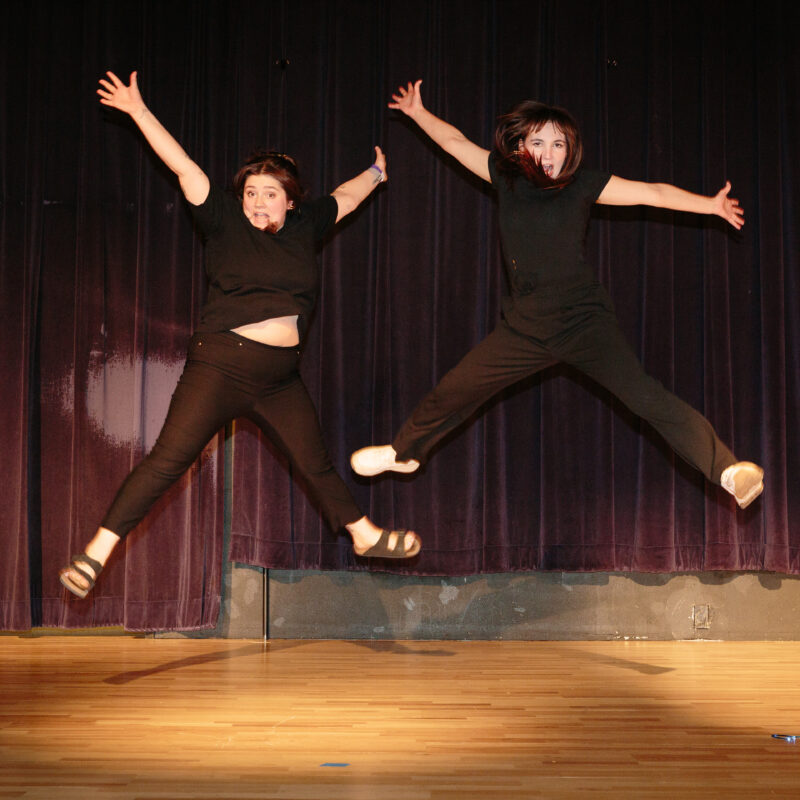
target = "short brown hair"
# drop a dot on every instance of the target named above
(270, 162)
(513, 127)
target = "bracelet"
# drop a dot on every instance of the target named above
(381, 176)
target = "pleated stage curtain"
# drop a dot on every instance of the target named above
(102, 280)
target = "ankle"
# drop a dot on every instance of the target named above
(102, 545)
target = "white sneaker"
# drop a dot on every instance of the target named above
(744, 481)
(374, 460)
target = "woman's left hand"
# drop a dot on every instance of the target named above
(380, 162)
(728, 207)
(351, 194)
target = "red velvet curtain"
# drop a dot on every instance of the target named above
(102, 280)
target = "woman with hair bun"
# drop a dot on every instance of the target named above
(243, 357)
(557, 311)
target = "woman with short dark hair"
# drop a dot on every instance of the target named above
(243, 356)
(557, 310)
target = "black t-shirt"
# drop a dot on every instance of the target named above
(254, 275)
(543, 231)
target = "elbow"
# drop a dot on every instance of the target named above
(660, 197)
(346, 204)
(453, 145)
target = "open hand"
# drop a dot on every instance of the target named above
(117, 95)
(408, 100)
(728, 207)
(380, 161)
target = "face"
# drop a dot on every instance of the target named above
(265, 203)
(549, 147)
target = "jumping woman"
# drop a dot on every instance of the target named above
(243, 357)
(557, 311)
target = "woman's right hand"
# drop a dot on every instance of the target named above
(408, 100)
(194, 182)
(450, 139)
(117, 95)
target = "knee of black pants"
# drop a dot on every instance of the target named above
(652, 402)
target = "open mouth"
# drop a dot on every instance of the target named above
(260, 220)
(548, 170)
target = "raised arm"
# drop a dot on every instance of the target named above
(621, 192)
(114, 93)
(449, 138)
(351, 194)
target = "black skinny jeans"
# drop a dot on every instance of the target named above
(228, 376)
(586, 336)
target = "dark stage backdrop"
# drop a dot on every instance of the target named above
(102, 280)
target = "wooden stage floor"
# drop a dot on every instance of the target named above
(123, 717)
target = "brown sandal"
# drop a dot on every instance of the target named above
(381, 548)
(68, 581)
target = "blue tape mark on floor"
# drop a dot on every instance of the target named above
(333, 764)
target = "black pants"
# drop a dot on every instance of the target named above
(586, 336)
(228, 376)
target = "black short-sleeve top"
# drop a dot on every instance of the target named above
(543, 231)
(255, 275)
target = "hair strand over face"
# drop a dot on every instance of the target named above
(515, 126)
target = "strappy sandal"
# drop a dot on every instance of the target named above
(76, 588)
(381, 548)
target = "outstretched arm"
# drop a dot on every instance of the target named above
(114, 93)
(449, 138)
(351, 194)
(621, 192)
